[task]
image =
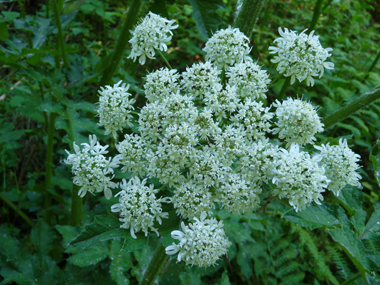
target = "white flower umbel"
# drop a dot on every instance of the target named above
(222, 101)
(161, 84)
(340, 163)
(237, 195)
(115, 108)
(300, 56)
(154, 32)
(138, 206)
(200, 79)
(227, 47)
(92, 170)
(250, 80)
(201, 243)
(191, 199)
(299, 178)
(297, 121)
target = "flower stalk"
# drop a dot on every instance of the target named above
(248, 15)
(346, 111)
(155, 266)
(122, 41)
(164, 58)
(16, 209)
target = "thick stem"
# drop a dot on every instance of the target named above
(346, 111)
(76, 207)
(121, 44)
(248, 14)
(60, 39)
(317, 13)
(16, 209)
(373, 64)
(155, 266)
(49, 167)
(164, 58)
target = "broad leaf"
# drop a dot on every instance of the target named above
(205, 16)
(89, 256)
(375, 158)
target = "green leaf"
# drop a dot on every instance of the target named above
(121, 262)
(239, 232)
(313, 217)
(375, 158)
(42, 237)
(68, 233)
(225, 280)
(90, 256)
(104, 227)
(205, 16)
(352, 246)
(244, 261)
(374, 222)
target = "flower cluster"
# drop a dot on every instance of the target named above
(115, 108)
(227, 47)
(138, 206)
(297, 121)
(299, 178)
(92, 170)
(201, 243)
(341, 165)
(151, 34)
(300, 56)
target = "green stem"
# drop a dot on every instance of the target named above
(346, 111)
(373, 64)
(248, 16)
(47, 8)
(155, 266)
(76, 207)
(49, 167)
(60, 39)
(16, 209)
(284, 87)
(224, 77)
(121, 44)
(164, 58)
(316, 14)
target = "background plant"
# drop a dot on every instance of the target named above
(41, 82)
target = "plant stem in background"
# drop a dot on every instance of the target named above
(346, 111)
(164, 58)
(122, 41)
(316, 14)
(47, 8)
(76, 207)
(60, 39)
(16, 209)
(159, 259)
(249, 12)
(49, 167)
(373, 65)
(224, 77)
(284, 87)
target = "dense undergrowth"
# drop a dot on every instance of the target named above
(336, 243)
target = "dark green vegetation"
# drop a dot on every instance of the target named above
(46, 102)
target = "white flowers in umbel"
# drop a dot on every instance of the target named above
(154, 32)
(341, 165)
(115, 108)
(207, 138)
(201, 243)
(92, 170)
(300, 56)
(138, 206)
(227, 47)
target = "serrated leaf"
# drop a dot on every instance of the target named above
(244, 261)
(89, 256)
(205, 16)
(121, 262)
(375, 158)
(374, 222)
(238, 232)
(352, 246)
(104, 227)
(42, 237)
(68, 233)
(315, 216)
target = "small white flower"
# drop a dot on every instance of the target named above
(340, 163)
(138, 206)
(93, 171)
(161, 84)
(300, 56)
(250, 80)
(200, 78)
(201, 243)
(299, 178)
(154, 32)
(115, 108)
(227, 47)
(297, 121)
